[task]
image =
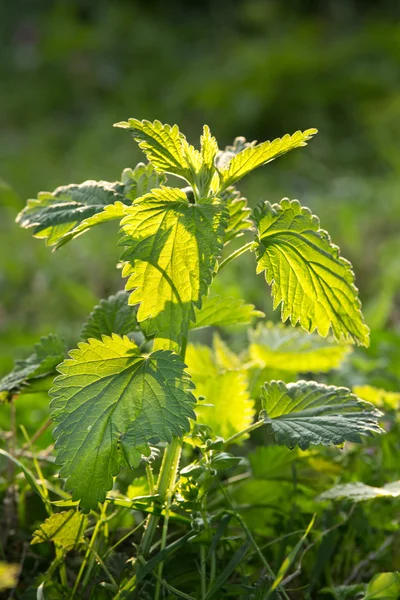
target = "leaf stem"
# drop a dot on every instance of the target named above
(238, 435)
(234, 255)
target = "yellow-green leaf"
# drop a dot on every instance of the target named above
(314, 284)
(226, 390)
(172, 247)
(163, 145)
(294, 350)
(253, 156)
(65, 529)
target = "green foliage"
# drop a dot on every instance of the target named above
(309, 277)
(119, 402)
(306, 412)
(294, 350)
(65, 529)
(358, 492)
(111, 315)
(8, 575)
(217, 311)
(254, 156)
(239, 214)
(60, 213)
(165, 146)
(227, 408)
(384, 585)
(171, 249)
(109, 403)
(48, 353)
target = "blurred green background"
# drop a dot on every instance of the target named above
(259, 68)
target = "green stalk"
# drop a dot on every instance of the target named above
(238, 435)
(166, 481)
(234, 255)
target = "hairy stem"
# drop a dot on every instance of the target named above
(238, 435)
(165, 483)
(234, 255)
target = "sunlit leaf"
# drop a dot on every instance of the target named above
(217, 311)
(294, 350)
(109, 404)
(254, 156)
(239, 213)
(358, 492)
(385, 586)
(65, 529)
(8, 575)
(232, 408)
(309, 277)
(163, 145)
(306, 412)
(377, 396)
(172, 247)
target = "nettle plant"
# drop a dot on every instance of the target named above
(134, 387)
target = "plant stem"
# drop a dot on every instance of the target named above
(166, 480)
(165, 483)
(234, 255)
(238, 435)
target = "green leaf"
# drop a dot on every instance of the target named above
(8, 575)
(65, 529)
(140, 180)
(111, 315)
(163, 145)
(294, 350)
(239, 213)
(48, 353)
(55, 215)
(204, 175)
(309, 277)
(378, 397)
(359, 492)
(385, 586)
(172, 248)
(232, 409)
(252, 157)
(109, 404)
(224, 157)
(307, 412)
(217, 311)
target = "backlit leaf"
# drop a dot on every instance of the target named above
(253, 156)
(239, 213)
(163, 145)
(65, 529)
(358, 492)
(109, 404)
(378, 397)
(309, 277)
(306, 412)
(232, 408)
(217, 311)
(8, 575)
(385, 586)
(172, 247)
(294, 350)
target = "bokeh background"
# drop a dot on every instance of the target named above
(259, 68)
